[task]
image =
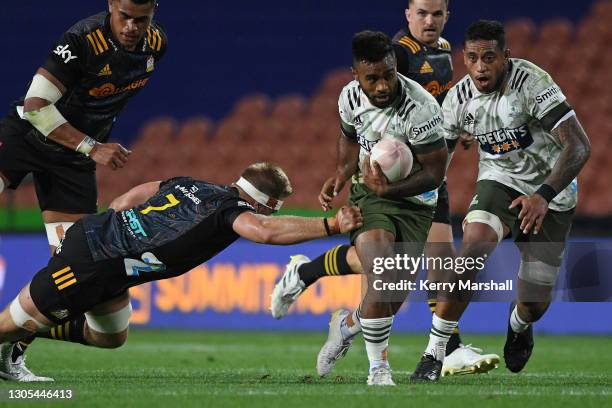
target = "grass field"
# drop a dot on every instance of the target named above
(244, 369)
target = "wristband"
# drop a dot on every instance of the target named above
(547, 192)
(327, 230)
(86, 145)
(331, 226)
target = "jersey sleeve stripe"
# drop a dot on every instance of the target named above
(517, 77)
(350, 100)
(152, 38)
(356, 97)
(93, 45)
(408, 45)
(409, 109)
(149, 40)
(444, 44)
(159, 40)
(415, 44)
(414, 47)
(520, 86)
(102, 40)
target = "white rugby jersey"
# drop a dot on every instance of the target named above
(515, 149)
(414, 118)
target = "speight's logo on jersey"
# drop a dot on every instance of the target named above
(366, 144)
(504, 140)
(109, 89)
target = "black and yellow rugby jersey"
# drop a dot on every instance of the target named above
(430, 67)
(99, 74)
(184, 224)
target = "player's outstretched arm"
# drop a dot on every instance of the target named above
(39, 109)
(136, 196)
(285, 230)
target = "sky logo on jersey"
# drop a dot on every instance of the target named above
(64, 53)
(504, 140)
(134, 223)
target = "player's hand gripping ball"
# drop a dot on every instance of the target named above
(394, 158)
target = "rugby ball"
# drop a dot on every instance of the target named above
(394, 157)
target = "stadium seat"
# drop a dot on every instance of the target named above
(334, 81)
(288, 107)
(252, 106)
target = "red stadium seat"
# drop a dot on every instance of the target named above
(252, 106)
(289, 107)
(334, 82)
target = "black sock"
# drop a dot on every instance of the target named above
(21, 346)
(455, 339)
(453, 342)
(71, 331)
(331, 263)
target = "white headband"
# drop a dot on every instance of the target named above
(258, 196)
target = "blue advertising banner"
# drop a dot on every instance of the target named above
(232, 290)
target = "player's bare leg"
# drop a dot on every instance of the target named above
(56, 225)
(533, 301)
(20, 319)
(376, 311)
(107, 324)
(479, 239)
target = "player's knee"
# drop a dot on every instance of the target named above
(539, 274)
(109, 330)
(105, 340)
(353, 260)
(481, 226)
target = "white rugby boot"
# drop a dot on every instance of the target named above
(288, 288)
(468, 360)
(380, 376)
(336, 345)
(16, 370)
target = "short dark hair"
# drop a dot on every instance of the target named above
(144, 2)
(268, 178)
(486, 30)
(371, 46)
(411, 1)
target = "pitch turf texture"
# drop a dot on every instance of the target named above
(246, 369)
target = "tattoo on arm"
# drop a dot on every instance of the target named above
(575, 153)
